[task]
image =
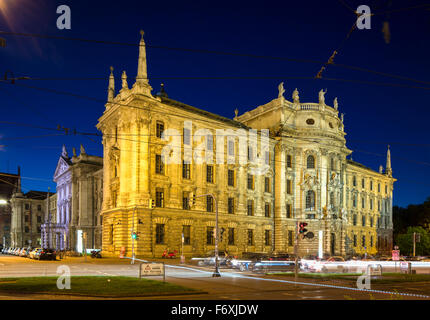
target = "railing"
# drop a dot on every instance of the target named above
(309, 106)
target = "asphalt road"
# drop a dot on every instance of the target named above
(233, 285)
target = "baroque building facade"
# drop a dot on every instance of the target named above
(268, 169)
(75, 212)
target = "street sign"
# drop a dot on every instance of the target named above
(151, 269)
(396, 255)
(405, 267)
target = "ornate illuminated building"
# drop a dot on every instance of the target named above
(306, 178)
(75, 212)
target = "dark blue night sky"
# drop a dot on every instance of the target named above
(375, 115)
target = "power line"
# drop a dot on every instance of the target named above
(204, 51)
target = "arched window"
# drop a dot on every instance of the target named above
(310, 162)
(310, 200)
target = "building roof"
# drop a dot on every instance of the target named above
(36, 195)
(192, 109)
(354, 163)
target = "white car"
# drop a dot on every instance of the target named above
(333, 264)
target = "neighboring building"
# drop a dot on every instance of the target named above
(305, 177)
(28, 211)
(79, 198)
(8, 184)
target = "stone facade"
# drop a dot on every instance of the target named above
(79, 197)
(8, 183)
(305, 177)
(28, 211)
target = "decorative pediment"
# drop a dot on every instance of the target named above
(62, 166)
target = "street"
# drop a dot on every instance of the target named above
(233, 285)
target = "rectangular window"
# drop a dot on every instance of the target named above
(354, 220)
(39, 219)
(288, 209)
(186, 231)
(250, 182)
(159, 165)
(371, 204)
(363, 221)
(250, 237)
(159, 233)
(371, 222)
(250, 207)
(230, 236)
(209, 204)
(386, 189)
(267, 157)
(26, 218)
(267, 238)
(362, 203)
(186, 200)
(209, 142)
(210, 236)
(379, 187)
(354, 201)
(159, 198)
(290, 238)
(39, 207)
(231, 205)
(27, 229)
(289, 161)
(355, 240)
(363, 241)
(267, 209)
(27, 206)
(362, 183)
(266, 184)
(371, 241)
(160, 129)
(371, 185)
(289, 185)
(186, 170)
(187, 136)
(250, 154)
(231, 178)
(231, 148)
(209, 173)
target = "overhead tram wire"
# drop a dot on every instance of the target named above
(212, 52)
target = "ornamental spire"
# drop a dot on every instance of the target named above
(388, 170)
(142, 75)
(111, 88)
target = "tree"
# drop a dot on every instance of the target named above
(405, 242)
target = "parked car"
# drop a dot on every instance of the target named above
(48, 254)
(35, 253)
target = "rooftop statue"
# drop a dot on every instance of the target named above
(281, 90)
(321, 96)
(335, 103)
(296, 98)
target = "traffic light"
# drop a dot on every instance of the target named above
(194, 200)
(302, 228)
(134, 235)
(152, 203)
